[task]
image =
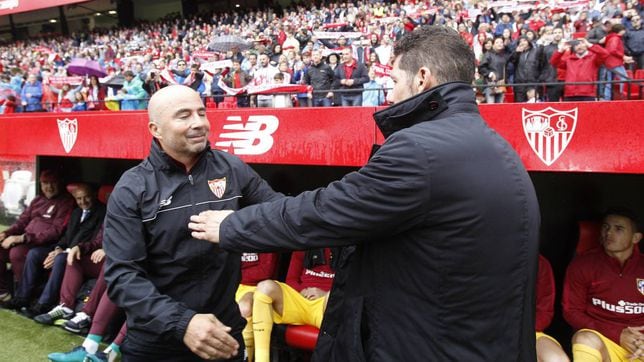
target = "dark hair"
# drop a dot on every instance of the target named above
(439, 48)
(128, 73)
(624, 212)
(617, 28)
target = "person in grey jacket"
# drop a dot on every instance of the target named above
(178, 292)
(443, 222)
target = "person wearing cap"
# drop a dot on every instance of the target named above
(581, 61)
(71, 258)
(37, 229)
(603, 294)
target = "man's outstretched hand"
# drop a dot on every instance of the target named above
(205, 226)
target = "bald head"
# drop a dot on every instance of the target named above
(168, 98)
(178, 122)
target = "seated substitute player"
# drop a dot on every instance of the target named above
(548, 349)
(301, 300)
(604, 294)
(255, 267)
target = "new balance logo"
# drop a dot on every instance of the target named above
(253, 137)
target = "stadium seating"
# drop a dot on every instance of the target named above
(588, 236)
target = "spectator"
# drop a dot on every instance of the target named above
(79, 102)
(238, 79)
(581, 61)
(634, 41)
(493, 70)
(65, 263)
(281, 100)
(37, 229)
(526, 68)
(350, 75)
(601, 290)
(373, 95)
(549, 72)
(548, 349)
(96, 94)
(66, 96)
(615, 61)
(320, 77)
(264, 75)
(8, 104)
(505, 23)
(31, 94)
(181, 73)
(215, 90)
(132, 95)
(301, 300)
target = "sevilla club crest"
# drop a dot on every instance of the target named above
(640, 285)
(218, 186)
(68, 130)
(549, 131)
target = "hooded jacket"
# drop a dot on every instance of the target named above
(155, 270)
(444, 219)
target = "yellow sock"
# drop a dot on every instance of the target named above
(584, 353)
(262, 325)
(249, 341)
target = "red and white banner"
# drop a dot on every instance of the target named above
(557, 137)
(265, 89)
(204, 54)
(382, 70)
(19, 6)
(60, 80)
(337, 34)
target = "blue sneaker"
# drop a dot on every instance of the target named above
(77, 354)
(98, 357)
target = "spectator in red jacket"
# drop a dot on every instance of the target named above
(9, 104)
(548, 349)
(603, 294)
(615, 61)
(581, 61)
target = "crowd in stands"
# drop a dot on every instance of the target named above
(536, 46)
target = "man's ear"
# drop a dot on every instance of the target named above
(637, 237)
(154, 130)
(424, 79)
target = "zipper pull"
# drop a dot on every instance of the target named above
(190, 179)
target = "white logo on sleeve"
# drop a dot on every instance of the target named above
(253, 137)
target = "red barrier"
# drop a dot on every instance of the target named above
(585, 137)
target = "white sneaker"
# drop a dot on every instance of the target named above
(5, 297)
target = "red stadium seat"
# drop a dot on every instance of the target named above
(634, 87)
(588, 236)
(301, 337)
(104, 193)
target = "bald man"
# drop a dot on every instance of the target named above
(178, 292)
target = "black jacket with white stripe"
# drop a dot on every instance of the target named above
(155, 270)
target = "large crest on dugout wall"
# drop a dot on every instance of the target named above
(549, 131)
(68, 130)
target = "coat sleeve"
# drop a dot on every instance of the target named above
(388, 196)
(128, 285)
(254, 188)
(601, 53)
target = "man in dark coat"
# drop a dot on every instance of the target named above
(444, 219)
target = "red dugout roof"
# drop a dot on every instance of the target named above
(20, 6)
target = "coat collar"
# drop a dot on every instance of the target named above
(437, 102)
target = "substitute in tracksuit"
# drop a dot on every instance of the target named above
(178, 292)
